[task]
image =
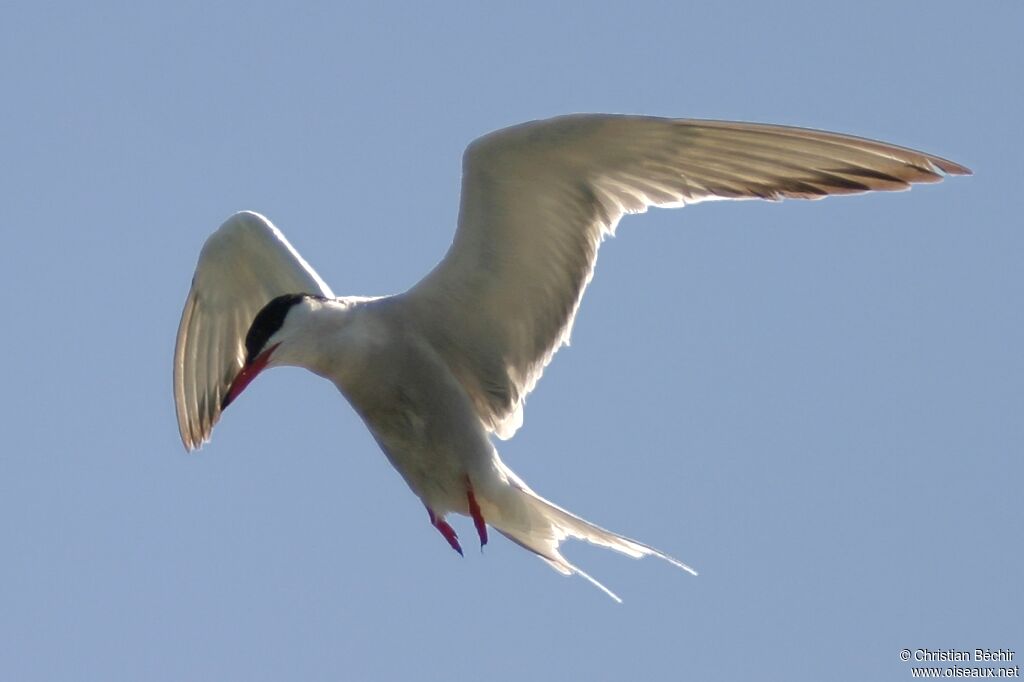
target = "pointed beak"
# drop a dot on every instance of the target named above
(246, 375)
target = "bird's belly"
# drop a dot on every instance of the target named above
(430, 434)
(419, 414)
(435, 471)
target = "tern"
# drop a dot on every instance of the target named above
(435, 371)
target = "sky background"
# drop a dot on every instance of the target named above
(818, 405)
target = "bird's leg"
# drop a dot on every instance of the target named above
(474, 511)
(446, 531)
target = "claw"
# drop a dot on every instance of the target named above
(447, 532)
(478, 517)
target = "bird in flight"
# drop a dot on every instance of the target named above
(435, 371)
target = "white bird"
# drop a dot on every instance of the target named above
(434, 371)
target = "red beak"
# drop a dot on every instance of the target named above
(246, 375)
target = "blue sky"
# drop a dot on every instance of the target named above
(816, 404)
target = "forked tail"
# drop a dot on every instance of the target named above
(540, 526)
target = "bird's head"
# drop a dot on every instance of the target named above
(273, 325)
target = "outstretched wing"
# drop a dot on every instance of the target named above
(243, 265)
(538, 199)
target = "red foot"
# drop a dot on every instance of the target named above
(446, 531)
(474, 511)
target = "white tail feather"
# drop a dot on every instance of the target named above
(540, 526)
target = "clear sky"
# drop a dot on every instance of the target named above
(818, 405)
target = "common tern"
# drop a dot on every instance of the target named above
(435, 371)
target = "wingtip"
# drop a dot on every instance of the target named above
(948, 167)
(192, 444)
